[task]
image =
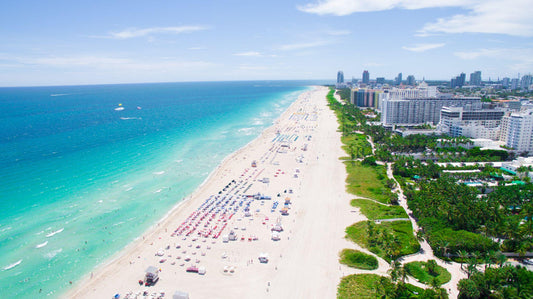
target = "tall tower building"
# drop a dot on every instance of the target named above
(462, 79)
(506, 82)
(340, 77)
(520, 131)
(458, 81)
(366, 77)
(475, 78)
(398, 79)
(526, 81)
(411, 80)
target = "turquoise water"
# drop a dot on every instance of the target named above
(80, 180)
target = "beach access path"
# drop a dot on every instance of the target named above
(299, 155)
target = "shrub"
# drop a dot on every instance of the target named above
(357, 259)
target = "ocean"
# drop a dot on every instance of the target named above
(84, 170)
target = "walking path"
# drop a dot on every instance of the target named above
(426, 252)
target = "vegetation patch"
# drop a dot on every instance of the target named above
(356, 146)
(447, 242)
(388, 240)
(373, 210)
(357, 259)
(368, 181)
(504, 282)
(361, 286)
(428, 272)
(374, 286)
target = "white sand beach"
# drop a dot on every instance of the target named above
(299, 156)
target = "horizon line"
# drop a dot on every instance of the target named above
(160, 82)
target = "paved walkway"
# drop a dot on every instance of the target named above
(426, 252)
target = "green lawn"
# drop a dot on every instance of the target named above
(374, 210)
(357, 259)
(401, 230)
(368, 181)
(361, 146)
(361, 286)
(372, 286)
(420, 271)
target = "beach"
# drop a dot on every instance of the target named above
(293, 165)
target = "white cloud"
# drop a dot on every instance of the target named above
(105, 62)
(423, 47)
(132, 33)
(253, 68)
(299, 46)
(74, 61)
(197, 48)
(248, 54)
(338, 32)
(346, 7)
(481, 53)
(373, 64)
(511, 17)
(515, 59)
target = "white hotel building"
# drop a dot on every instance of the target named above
(519, 131)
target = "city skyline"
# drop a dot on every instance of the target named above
(132, 42)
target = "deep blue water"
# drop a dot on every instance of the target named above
(80, 180)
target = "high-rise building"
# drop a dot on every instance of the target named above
(340, 77)
(471, 121)
(420, 111)
(421, 92)
(458, 81)
(362, 97)
(526, 82)
(380, 80)
(366, 77)
(519, 131)
(506, 82)
(475, 78)
(398, 80)
(411, 80)
(340, 80)
(462, 79)
(515, 83)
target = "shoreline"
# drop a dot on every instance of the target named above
(152, 228)
(98, 282)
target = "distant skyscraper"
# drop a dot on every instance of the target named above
(411, 80)
(398, 80)
(505, 82)
(462, 79)
(526, 81)
(366, 77)
(380, 80)
(458, 81)
(475, 78)
(514, 83)
(340, 77)
(340, 80)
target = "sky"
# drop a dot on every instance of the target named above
(58, 42)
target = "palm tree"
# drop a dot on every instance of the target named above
(463, 255)
(434, 283)
(353, 152)
(471, 267)
(487, 260)
(394, 270)
(501, 259)
(445, 249)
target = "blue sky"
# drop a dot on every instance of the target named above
(92, 42)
